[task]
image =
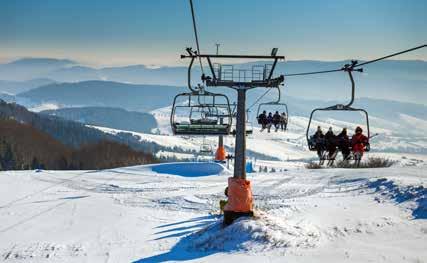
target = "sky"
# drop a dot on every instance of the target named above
(156, 32)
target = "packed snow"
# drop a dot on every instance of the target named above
(170, 211)
(166, 212)
(284, 146)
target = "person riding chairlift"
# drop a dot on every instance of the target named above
(262, 119)
(269, 121)
(358, 143)
(344, 144)
(276, 121)
(330, 143)
(283, 121)
(319, 141)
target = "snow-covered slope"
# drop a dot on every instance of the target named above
(292, 145)
(135, 214)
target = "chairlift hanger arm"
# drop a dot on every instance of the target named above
(189, 75)
(279, 94)
(353, 87)
(272, 69)
(211, 68)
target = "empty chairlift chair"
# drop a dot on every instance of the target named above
(205, 147)
(201, 113)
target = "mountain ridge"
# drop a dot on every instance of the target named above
(402, 80)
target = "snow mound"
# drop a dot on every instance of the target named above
(416, 196)
(190, 169)
(261, 233)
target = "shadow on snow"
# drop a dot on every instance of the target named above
(182, 250)
(400, 194)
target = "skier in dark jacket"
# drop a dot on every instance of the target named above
(283, 121)
(269, 121)
(262, 119)
(318, 139)
(276, 120)
(330, 143)
(344, 144)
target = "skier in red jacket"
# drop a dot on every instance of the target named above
(358, 144)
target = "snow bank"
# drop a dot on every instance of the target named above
(189, 169)
(260, 233)
(414, 196)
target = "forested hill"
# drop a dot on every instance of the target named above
(24, 147)
(74, 134)
(70, 133)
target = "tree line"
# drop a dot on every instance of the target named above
(73, 136)
(24, 147)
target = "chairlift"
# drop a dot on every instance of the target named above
(205, 147)
(277, 105)
(313, 143)
(206, 113)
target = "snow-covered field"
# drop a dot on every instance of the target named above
(283, 146)
(168, 212)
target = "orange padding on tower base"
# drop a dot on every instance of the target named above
(220, 154)
(239, 195)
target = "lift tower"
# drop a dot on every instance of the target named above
(241, 80)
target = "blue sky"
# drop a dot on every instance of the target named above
(111, 32)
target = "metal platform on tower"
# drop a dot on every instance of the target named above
(227, 75)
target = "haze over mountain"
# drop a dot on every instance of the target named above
(108, 117)
(401, 80)
(14, 87)
(147, 98)
(104, 94)
(32, 68)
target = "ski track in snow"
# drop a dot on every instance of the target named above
(133, 213)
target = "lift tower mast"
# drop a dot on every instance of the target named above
(241, 80)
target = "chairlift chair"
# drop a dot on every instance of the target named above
(205, 147)
(205, 109)
(339, 107)
(277, 105)
(312, 143)
(280, 107)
